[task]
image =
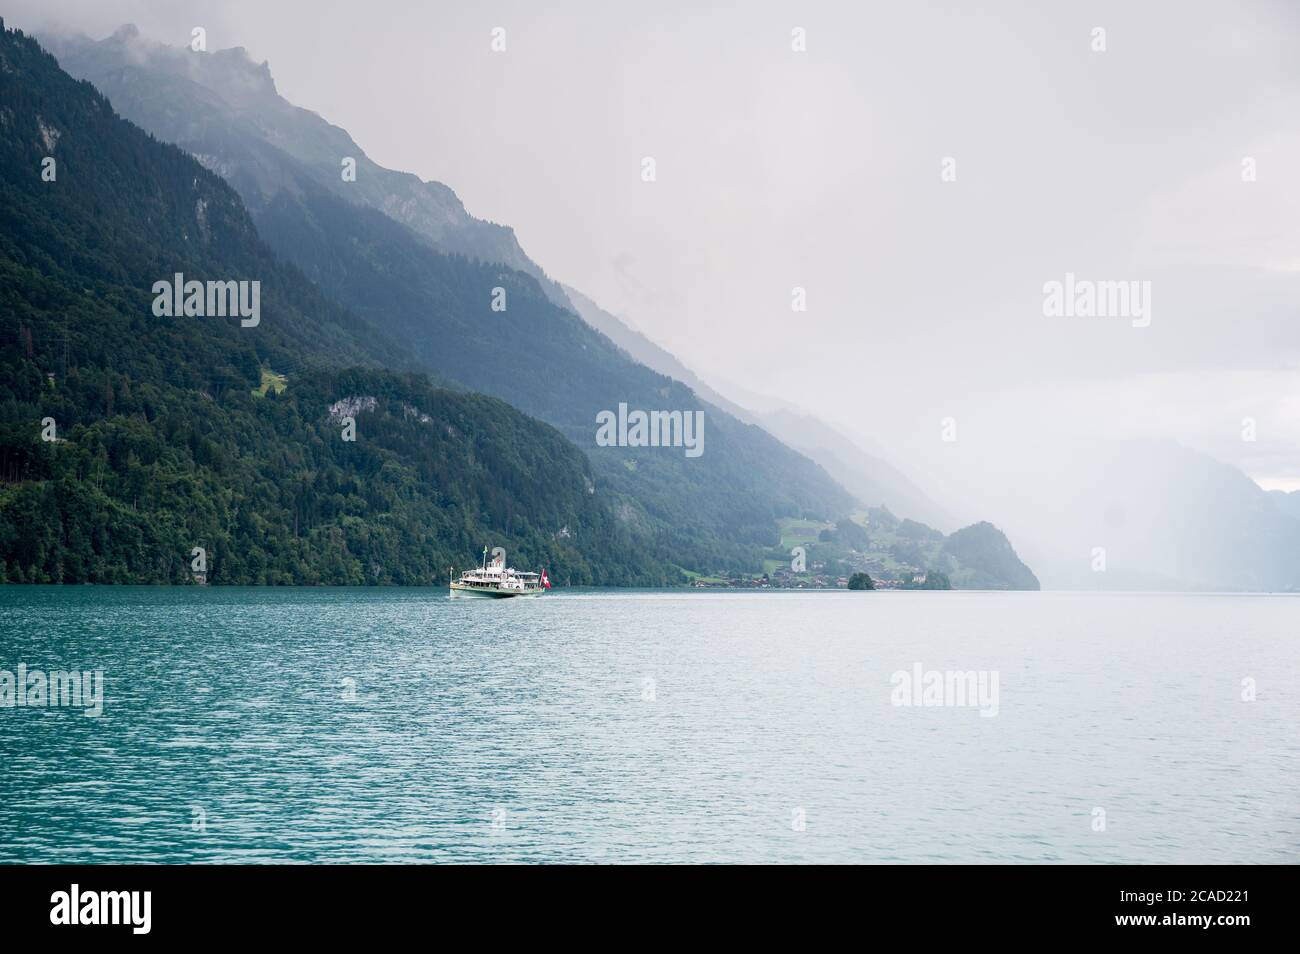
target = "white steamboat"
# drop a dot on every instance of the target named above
(495, 580)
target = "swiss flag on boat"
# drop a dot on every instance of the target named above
(546, 583)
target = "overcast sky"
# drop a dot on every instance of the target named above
(822, 169)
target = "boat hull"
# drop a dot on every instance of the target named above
(478, 593)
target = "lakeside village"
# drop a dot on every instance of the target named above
(818, 579)
(843, 555)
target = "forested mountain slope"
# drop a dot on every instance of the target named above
(127, 439)
(377, 254)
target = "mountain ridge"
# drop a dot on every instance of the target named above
(873, 480)
(716, 512)
(430, 209)
(370, 253)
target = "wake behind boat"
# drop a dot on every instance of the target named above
(495, 580)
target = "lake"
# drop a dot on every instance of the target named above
(395, 725)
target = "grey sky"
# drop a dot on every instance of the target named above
(821, 169)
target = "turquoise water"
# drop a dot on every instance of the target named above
(385, 725)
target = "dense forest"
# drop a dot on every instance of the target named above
(127, 440)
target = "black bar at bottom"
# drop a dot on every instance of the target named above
(335, 904)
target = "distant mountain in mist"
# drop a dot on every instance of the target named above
(1287, 503)
(643, 350)
(874, 481)
(1166, 517)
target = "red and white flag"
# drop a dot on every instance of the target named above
(546, 583)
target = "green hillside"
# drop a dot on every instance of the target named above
(180, 432)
